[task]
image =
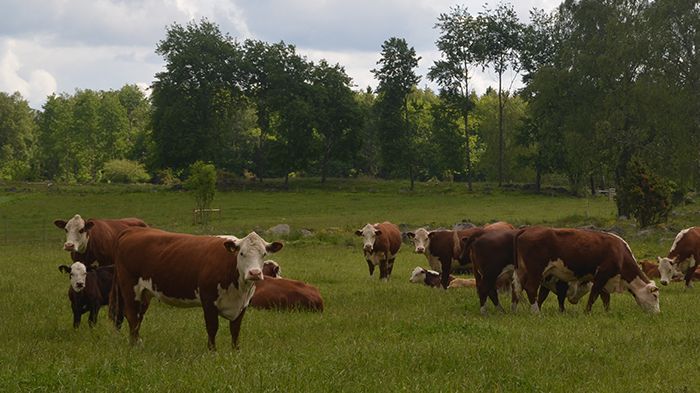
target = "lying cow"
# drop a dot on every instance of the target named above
(189, 271)
(282, 293)
(89, 290)
(442, 247)
(381, 243)
(462, 283)
(430, 278)
(579, 256)
(93, 240)
(683, 258)
(272, 269)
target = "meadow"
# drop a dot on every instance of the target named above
(372, 336)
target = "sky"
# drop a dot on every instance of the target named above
(58, 46)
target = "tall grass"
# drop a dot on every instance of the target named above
(372, 336)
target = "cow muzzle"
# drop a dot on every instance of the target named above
(254, 275)
(420, 250)
(79, 286)
(69, 247)
(664, 282)
(368, 248)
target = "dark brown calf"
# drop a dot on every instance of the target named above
(89, 291)
(285, 294)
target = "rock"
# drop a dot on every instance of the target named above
(280, 229)
(306, 232)
(460, 226)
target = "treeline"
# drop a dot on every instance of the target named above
(607, 84)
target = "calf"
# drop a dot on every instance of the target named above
(381, 243)
(89, 290)
(430, 278)
(188, 271)
(683, 258)
(93, 240)
(577, 256)
(285, 294)
(272, 269)
(442, 247)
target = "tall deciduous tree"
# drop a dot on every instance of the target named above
(18, 137)
(459, 43)
(396, 78)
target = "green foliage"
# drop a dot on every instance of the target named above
(201, 182)
(124, 171)
(18, 137)
(644, 194)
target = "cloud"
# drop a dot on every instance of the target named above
(34, 84)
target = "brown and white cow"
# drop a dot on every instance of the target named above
(286, 294)
(93, 240)
(381, 243)
(88, 291)
(683, 258)
(430, 278)
(443, 247)
(189, 271)
(577, 256)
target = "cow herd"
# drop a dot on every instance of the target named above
(225, 274)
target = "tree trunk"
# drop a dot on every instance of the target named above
(592, 180)
(466, 128)
(410, 174)
(538, 180)
(501, 142)
(286, 181)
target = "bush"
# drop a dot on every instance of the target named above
(645, 195)
(124, 171)
(202, 183)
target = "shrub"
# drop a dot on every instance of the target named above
(202, 183)
(124, 171)
(645, 195)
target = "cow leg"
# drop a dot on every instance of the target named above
(493, 295)
(92, 319)
(126, 292)
(391, 266)
(211, 320)
(446, 270)
(605, 297)
(562, 288)
(371, 267)
(235, 327)
(483, 291)
(542, 295)
(599, 282)
(384, 270)
(689, 277)
(531, 287)
(77, 313)
(514, 299)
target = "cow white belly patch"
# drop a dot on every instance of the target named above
(232, 301)
(145, 288)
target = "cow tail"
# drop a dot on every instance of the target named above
(517, 285)
(116, 306)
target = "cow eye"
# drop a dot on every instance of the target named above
(241, 254)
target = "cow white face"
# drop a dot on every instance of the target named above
(418, 275)
(272, 269)
(251, 252)
(76, 233)
(420, 240)
(646, 294)
(77, 273)
(668, 268)
(368, 233)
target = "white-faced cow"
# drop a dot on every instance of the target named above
(183, 270)
(93, 240)
(89, 290)
(577, 256)
(430, 278)
(443, 247)
(381, 243)
(683, 257)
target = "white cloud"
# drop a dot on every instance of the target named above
(33, 83)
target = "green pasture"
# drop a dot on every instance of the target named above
(372, 336)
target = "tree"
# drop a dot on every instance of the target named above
(396, 78)
(18, 136)
(459, 43)
(501, 37)
(202, 183)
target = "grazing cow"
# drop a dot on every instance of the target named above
(285, 294)
(430, 278)
(93, 240)
(683, 257)
(577, 256)
(381, 243)
(89, 290)
(651, 269)
(442, 247)
(189, 271)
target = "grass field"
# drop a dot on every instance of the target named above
(372, 336)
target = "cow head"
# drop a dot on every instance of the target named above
(77, 273)
(368, 233)
(646, 294)
(668, 268)
(251, 252)
(420, 240)
(272, 269)
(77, 233)
(418, 275)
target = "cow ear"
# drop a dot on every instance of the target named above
(274, 247)
(358, 232)
(410, 235)
(658, 259)
(430, 235)
(88, 225)
(64, 269)
(377, 232)
(60, 223)
(231, 246)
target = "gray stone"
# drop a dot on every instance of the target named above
(280, 229)
(306, 233)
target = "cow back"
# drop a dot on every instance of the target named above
(390, 238)
(102, 239)
(282, 293)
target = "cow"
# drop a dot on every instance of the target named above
(282, 293)
(272, 269)
(89, 290)
(430, 278)
(442, 247)
(93, 240)
(462, 283)
(381, 243)
(188, 271)
(683, 258)
(577, 256)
